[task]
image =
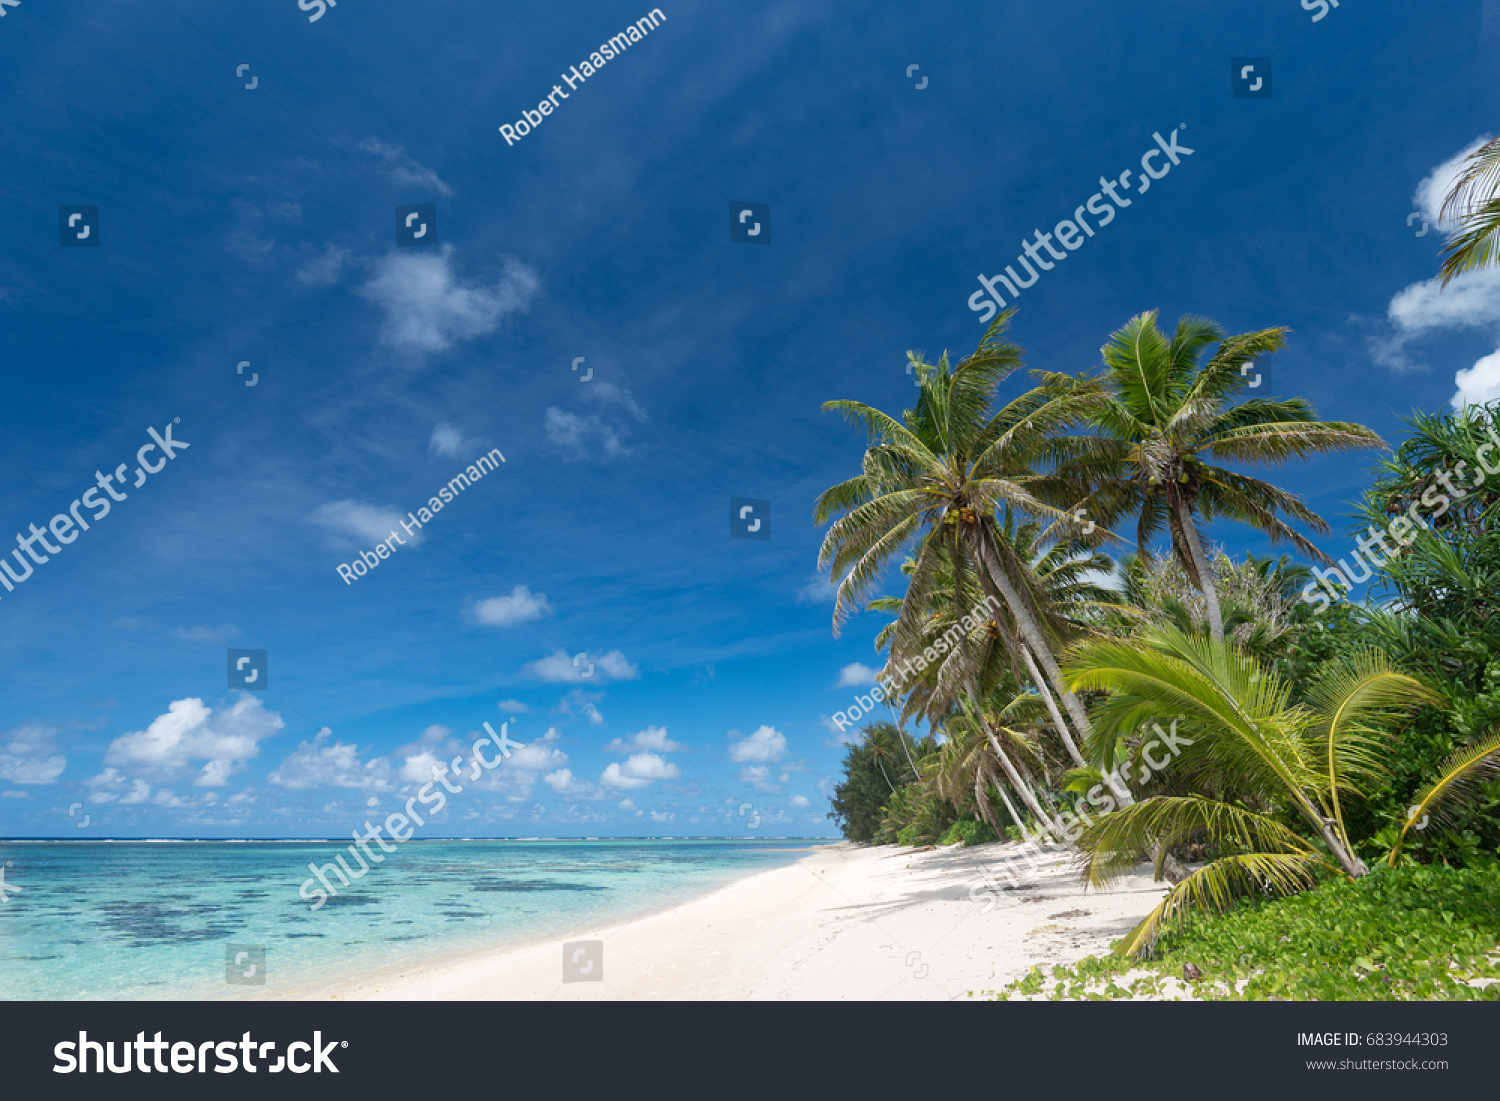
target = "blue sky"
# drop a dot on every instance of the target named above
(259, 225)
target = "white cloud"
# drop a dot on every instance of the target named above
(323, 762)
(799, 801)
(662, 816)
(766, 744)
(206, 634)
(418, 768)
(639, 770)
(651, 740)
(404, 170)
(565, 783)
(519, 772)
(253, 237)
(29, 757)
(434, 747)
(1478, 384)
(856, 676)
(573, 432)
(758, 777)
(324, 269)
(513, 705)
(558, 668)
(1431, 192)
(539, 755)
(364, 523)
(627, 804)
(110, 778)
(427, 307)
(1469, 301)
(583, 703)
(614, 666)
(190, 732)
(15, 795)
(608, 393)
(449, 442)
(521, 606)
(818, 590)
(1472, 300)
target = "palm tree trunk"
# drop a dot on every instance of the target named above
(1051, 701)
(982, 802)
(900, 733)
(1347, 858)
(1015, 815)
(1206, 584)
(995, 573)
(1121, 792)
(1022, 788)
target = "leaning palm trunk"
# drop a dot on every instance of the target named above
(1015, 815)
(1022, 788)
(993, 576)
(1205, 574)
(1051, 702)
(1121, 792)
(982, 800)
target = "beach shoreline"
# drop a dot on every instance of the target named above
(845, 922)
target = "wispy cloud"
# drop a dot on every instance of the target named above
(28, 755)
(428, 307)
(449, 442)
(404, 170)
(575, 432)
(366, 524)
(818, 590)
(324, 268)
(558, 668)
(206, 634)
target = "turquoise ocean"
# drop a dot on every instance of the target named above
(153, 919)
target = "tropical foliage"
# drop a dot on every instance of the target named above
(1412, 933)
(1313, 740)
(1474, 207)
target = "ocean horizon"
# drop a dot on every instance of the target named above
(114, 919)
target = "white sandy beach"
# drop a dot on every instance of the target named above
(842, 923)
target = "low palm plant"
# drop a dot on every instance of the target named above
(1270, 760)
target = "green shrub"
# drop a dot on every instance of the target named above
(1398, 934)
(968, 831)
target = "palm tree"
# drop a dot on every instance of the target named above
(1473, 204)
(1460, 445)
(936, 478)
(1160, 422)
(1266, 757)
(966, 772)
